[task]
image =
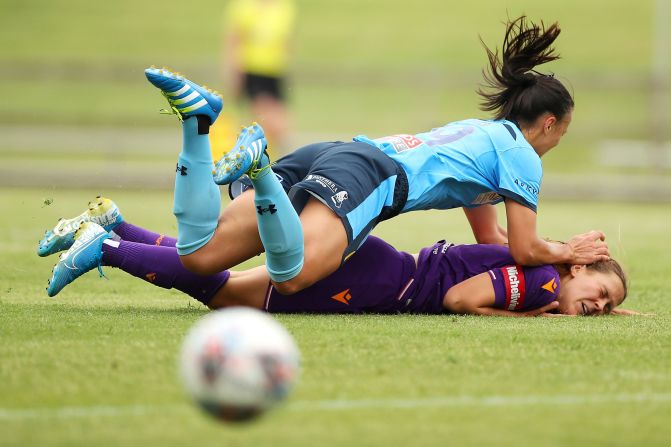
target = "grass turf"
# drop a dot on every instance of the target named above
(97, 365)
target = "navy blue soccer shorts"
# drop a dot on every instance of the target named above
(357, 181)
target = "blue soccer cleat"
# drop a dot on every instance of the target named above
(101, 210)
(248, 156)
(185, 98)
(85, 254)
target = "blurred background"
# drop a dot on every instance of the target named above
(76, 110)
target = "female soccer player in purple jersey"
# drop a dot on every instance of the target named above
(463, 279)
(338, 192)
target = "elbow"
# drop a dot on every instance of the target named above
(454, 303)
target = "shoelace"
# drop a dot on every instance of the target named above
(173, 110)
(255, 172)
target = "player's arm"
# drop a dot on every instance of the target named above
(485, 225)
(476, 296)
(529, 249)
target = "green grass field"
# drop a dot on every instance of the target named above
(97, 364)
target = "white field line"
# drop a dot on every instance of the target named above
(10, 414)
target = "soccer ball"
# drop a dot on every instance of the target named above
(238, 362)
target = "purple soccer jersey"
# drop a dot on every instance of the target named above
(443, 265)
(381, 279)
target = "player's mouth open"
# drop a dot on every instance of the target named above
(584, 309)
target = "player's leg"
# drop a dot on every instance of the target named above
(348, 190)
(235, 240)
(197, 199)
(246, 288)
(159, 265)
(325, 242)
(133, 233)
(279, 227)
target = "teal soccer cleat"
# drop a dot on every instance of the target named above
(248, 156)
(101, 210)
(185, 98)
(85, 254)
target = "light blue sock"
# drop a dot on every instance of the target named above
(197, 198)
(279, 227)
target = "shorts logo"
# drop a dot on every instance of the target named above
(401, 142)
(342, 297)
(326, 183)
(339, 198)
(151, 277)
(486, 197)
(513, 277)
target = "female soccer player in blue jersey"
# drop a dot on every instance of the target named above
(337, 192)
(464, 279)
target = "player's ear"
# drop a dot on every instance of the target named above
(549, 123)
(577, 269)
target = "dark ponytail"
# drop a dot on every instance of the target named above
(513, 90)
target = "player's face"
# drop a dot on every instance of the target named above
(588, 292)
(557, 130)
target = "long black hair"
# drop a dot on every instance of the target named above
(513, 89)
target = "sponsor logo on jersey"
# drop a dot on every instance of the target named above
(513, 278)
(326, 183)
(342, 297)
(339, 197)
(550, 286)
(402, 142)
(486, 197)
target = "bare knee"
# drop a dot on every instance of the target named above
(198, 264)
(307, 277)
(293, 285)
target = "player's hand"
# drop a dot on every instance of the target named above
(588, 248)
(542, 310)
(629, 312)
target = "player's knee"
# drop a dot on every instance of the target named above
(293, 285)
(198, 264)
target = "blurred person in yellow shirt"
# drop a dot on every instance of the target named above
(257, 47)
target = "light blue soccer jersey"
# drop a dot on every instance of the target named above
(465, 164)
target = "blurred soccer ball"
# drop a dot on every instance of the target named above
(238, 362)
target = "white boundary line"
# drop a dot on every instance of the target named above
(9, 414)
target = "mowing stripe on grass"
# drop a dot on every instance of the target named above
(9, 414)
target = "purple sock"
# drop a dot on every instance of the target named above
(133, 233)
(161, 266)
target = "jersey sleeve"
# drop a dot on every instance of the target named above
(518, 288)
(520, 173)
